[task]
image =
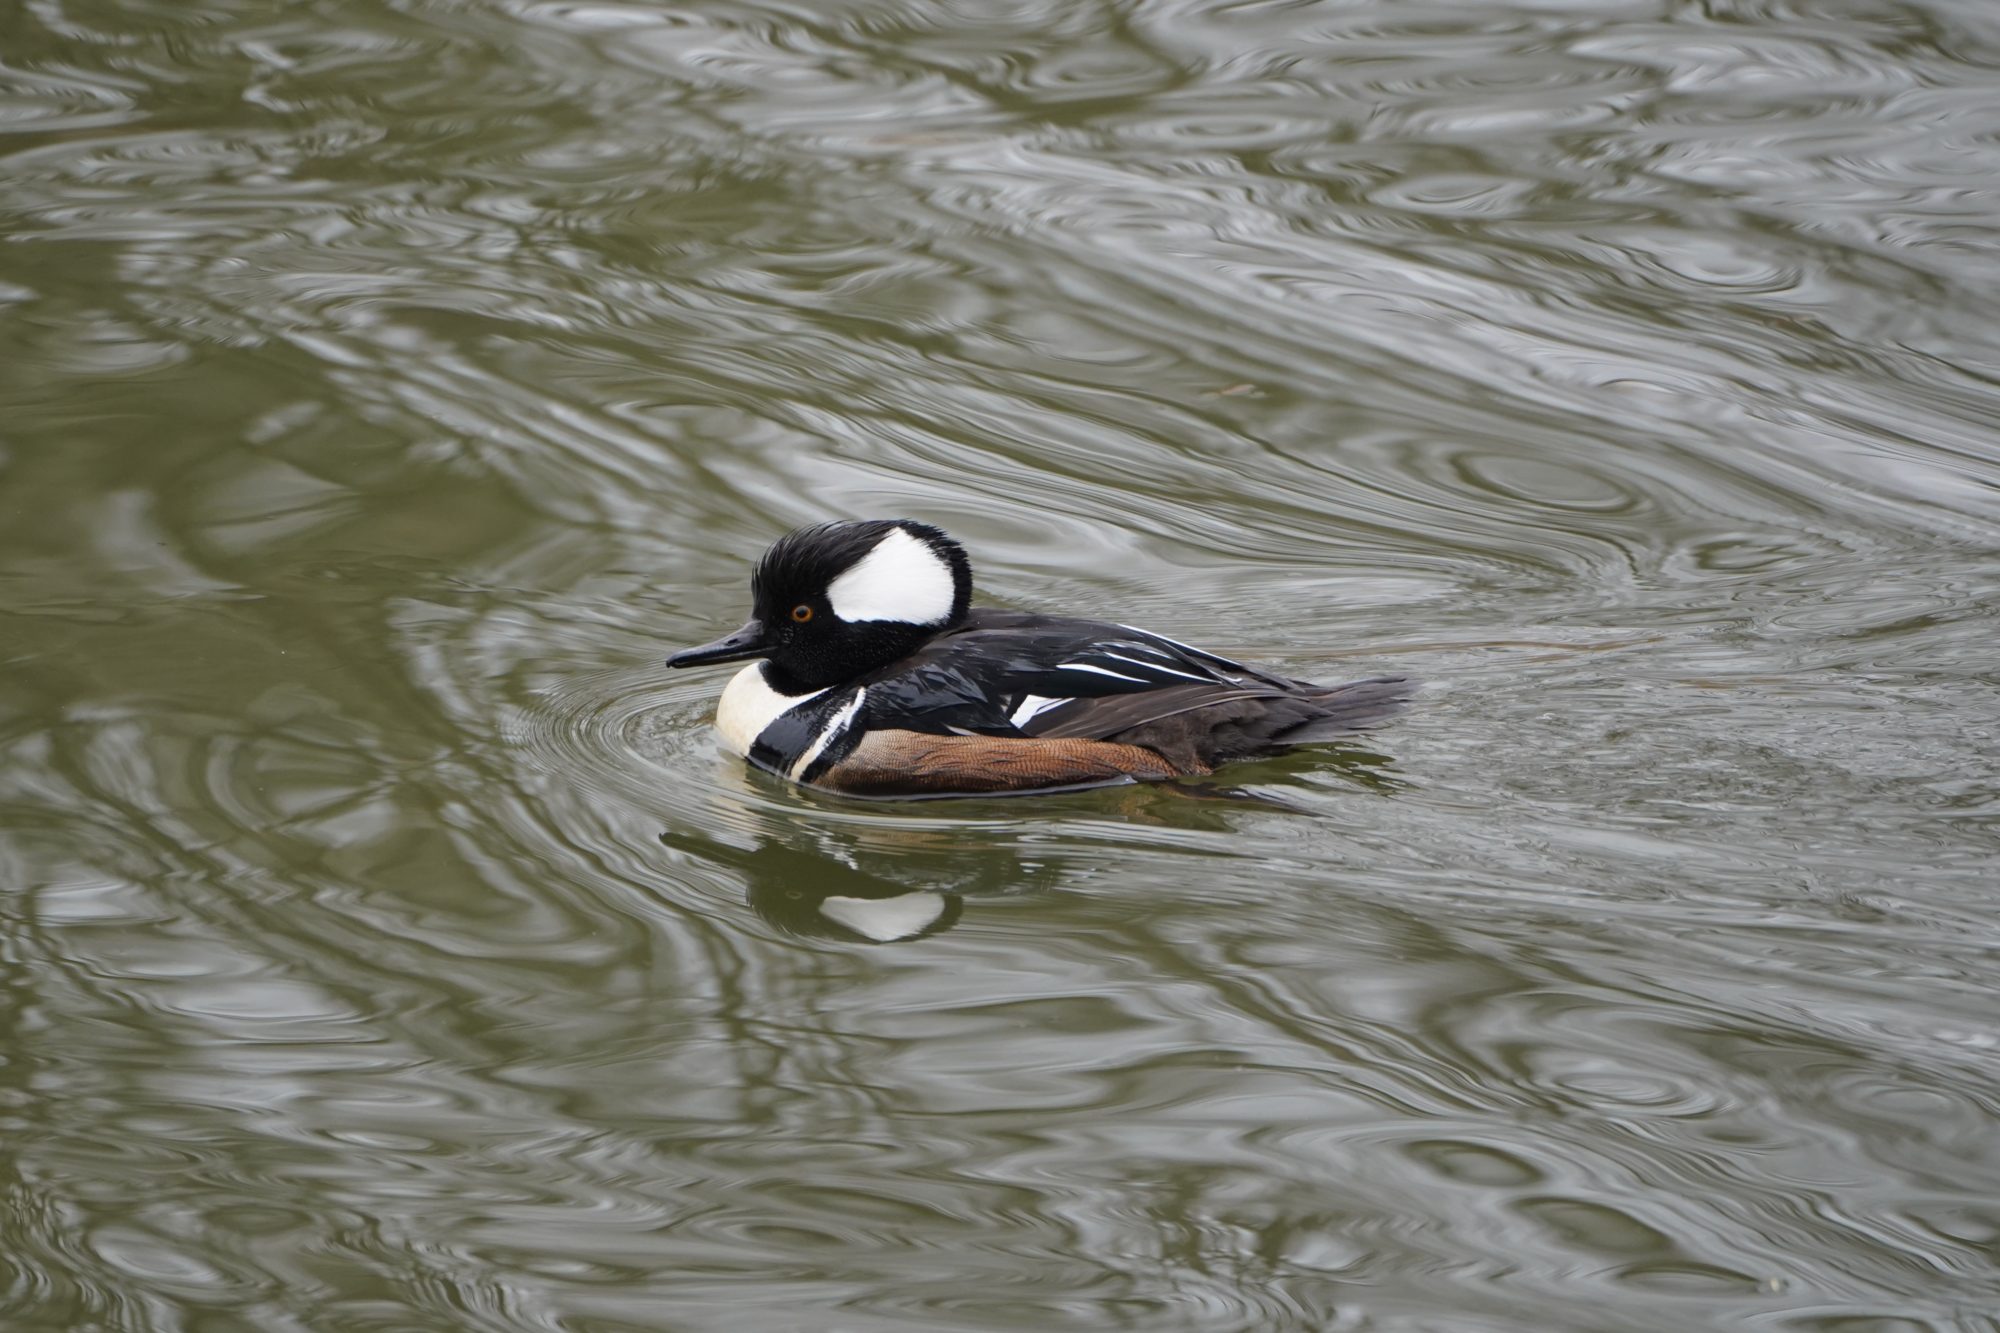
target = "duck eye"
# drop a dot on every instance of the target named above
(802, 613)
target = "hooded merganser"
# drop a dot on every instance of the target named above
(876, 677)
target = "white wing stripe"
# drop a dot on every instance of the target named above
(1187, 647)
(1161, 637)
(1030, 705)
(1102, 671)
(1164, 668)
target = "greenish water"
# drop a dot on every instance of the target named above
(389, 385)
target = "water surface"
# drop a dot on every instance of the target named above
(390, 384)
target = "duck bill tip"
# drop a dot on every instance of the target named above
(741, 646)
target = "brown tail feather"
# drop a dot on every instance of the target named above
(1241, 725)
(1355, 706)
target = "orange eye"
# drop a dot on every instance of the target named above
(802, 613)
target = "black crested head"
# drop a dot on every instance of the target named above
(878, 569)
(837, 600)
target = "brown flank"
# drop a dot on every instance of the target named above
(899, 763)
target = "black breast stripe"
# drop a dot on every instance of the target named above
(843, 730)
(779, 745)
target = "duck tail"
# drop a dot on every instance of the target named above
(1355, 706)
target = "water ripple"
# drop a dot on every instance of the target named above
(391, 387)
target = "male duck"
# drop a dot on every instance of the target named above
(876, 677)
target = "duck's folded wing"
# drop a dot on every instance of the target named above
(1043, 677)
(1195, 727)
(1095, 717)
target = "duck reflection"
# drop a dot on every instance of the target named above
(867, 884)
(820, 869)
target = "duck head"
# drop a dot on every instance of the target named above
(837, 600)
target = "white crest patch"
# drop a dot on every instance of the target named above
(902, 578)
(749, 705)
(885, 919)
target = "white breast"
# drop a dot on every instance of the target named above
(749, 705)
